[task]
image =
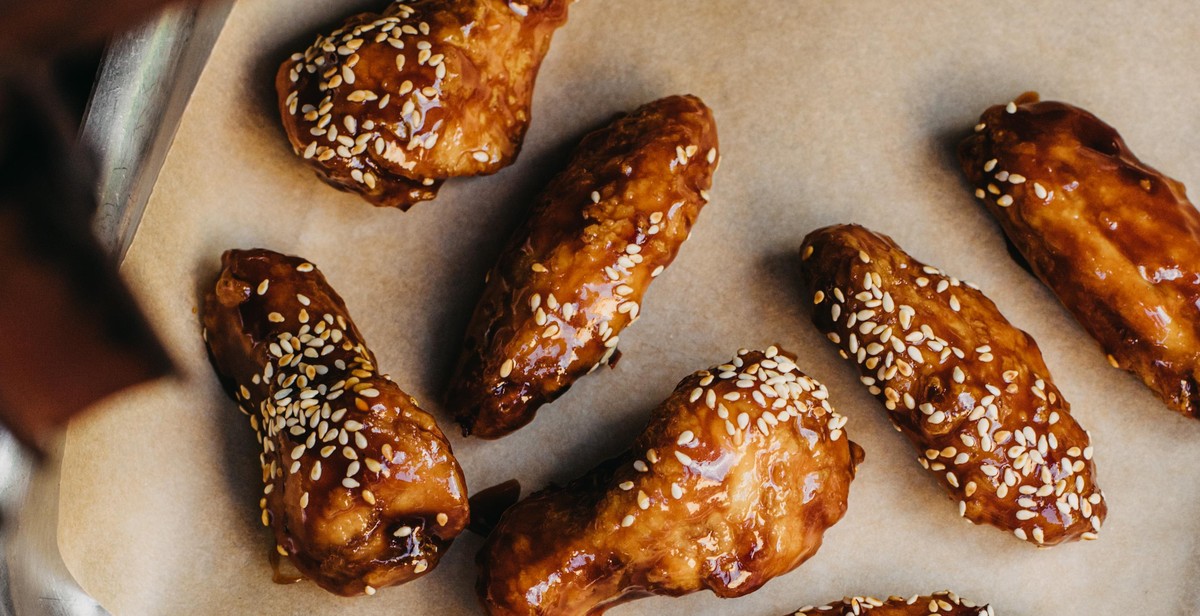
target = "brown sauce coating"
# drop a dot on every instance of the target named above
(573, 276)
(390, 105)
(969, 389)
(361, 488)
(733, 482)
(1117, 241)
(943, 603)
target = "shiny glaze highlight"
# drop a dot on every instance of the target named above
(968, 389)
(390, 105)
(1117, 241)
(733, 482)
(574, 275)
(349, 460)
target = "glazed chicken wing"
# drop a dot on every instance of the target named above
(968, 389)
(734, 481)
(1116, 240)
(572, 278)
(389, 106)
(361, 488)
(943, 603)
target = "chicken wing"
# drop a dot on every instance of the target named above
(734, 481)
(572, 278)
(968, 389)
(943, 603)
(1117, 241)
(389, 106)
(361, 488)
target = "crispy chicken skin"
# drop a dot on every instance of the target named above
(573, 276)
(390, 105)
(968, 389)
(943, 603)
(733, 482)
(361, 488)
(1117, 241)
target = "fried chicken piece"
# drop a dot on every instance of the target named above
(361, 488)
(573, 276)
(969, 389)
(389, 106)
(734, 481)
(1117, 241)
(943, 603)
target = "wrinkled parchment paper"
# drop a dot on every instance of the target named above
(828, 112)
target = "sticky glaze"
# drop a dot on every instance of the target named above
(573, 276)
(943, 603)
(733, 482)
(390, 105)
(1117, 241)
(361, 489)
(969, 390)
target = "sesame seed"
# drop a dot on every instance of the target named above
(1011, 107)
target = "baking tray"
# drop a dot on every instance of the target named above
(829, 112)
(145, 79)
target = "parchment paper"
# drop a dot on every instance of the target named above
(828, 112)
